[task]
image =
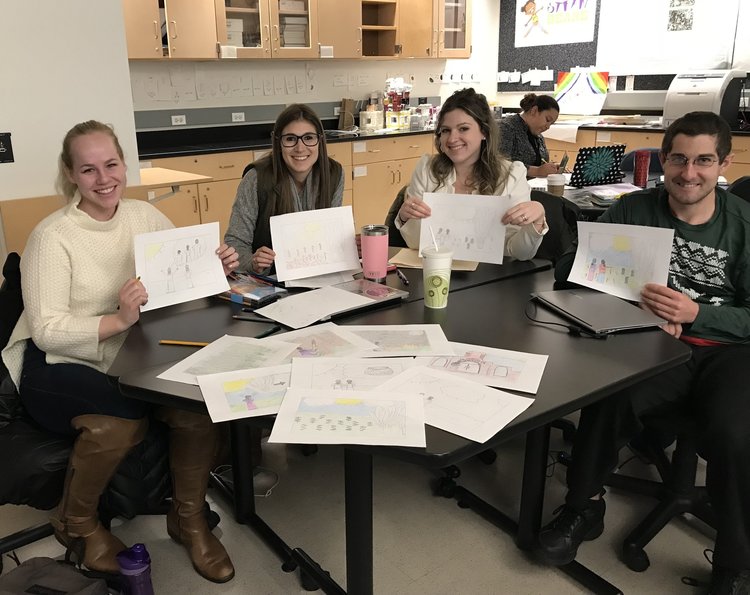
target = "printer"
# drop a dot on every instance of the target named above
(715, 91)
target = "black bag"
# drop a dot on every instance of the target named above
(45, 575)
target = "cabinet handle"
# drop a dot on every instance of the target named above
(156, 29)
(275, 38)
(398, 171)
(374, 151)
(413, 146)
(195, 204)
(174, 29)
(205, 197)
(359, 34)
(393, 177)
(226, 166)
(266, 38)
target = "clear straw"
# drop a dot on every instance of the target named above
(434, 241)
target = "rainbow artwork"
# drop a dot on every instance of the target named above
(581, 92)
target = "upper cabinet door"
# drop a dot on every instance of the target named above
(142, 29)
(340, 28)
(246, 25)
(454, 28)
(417, 28)
(191, 29)
(294, 28)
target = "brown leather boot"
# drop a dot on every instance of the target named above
(100, 447)
(193, 446)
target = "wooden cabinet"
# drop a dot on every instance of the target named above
(183, 29)
(19, 217)
(631, 140)
(454, 28)
(741, 163)
(269, 28)
(434, 29)
(557, 149)
(381, 167)
(379, 28)
(340, 27)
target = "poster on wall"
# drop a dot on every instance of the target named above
(552, 22)
(581, 93)
(678, 36)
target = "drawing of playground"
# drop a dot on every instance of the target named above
(179, 264)
(350, 416)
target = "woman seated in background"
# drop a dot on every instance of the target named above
(468, 162)
(296, 176)
(521, 134)
(80, 299)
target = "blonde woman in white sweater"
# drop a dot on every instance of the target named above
(80, 299)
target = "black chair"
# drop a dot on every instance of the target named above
(740, 187)
(677, 492)
(35, 473)
(654, 167)
(394, 235)
(562, 222)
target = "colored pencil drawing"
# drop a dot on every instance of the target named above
(326, 340)
(479, 363)
(347, 374)
(409, 339)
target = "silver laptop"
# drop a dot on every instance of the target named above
(596, 312)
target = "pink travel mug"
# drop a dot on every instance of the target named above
(640, 169)
(375, 252)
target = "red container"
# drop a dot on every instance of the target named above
(640, 169)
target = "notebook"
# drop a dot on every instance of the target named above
(597, 165)
(596, 312)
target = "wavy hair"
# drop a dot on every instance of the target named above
(491, 170)
(65, 162)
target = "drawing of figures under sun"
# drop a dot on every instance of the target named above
(253, 393)
(177, 265)
(612, 261)
(350, 416)
(310, 244)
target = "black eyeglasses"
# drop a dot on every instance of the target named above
(290, 140)
(682, 161)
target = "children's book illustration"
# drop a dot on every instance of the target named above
(244, 393)
(515, 370)
(457, 405)
(347, 374)
(178, 265)
(621, 259)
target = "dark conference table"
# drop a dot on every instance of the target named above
(579, 371)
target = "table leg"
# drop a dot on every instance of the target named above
(242, 471)
(532, 488)
(358, 495)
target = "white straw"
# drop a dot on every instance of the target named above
(434, 241)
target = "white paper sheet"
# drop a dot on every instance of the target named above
(226, 354)
(297, 311)
(404, 339)
(345, 373)
(244, 393)
(179, 265)
(469, 224)
(457, 405)
(309, 416)
(515, 370)
(409, 258)
(316, 242)
(323, 280)
(325, 340)
(621, 259)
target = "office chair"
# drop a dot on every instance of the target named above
(562, 222)
(740, 187)
(394, 235)
(35, 473)
(654, 167)
(677, 492)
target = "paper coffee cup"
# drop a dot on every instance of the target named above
(556, 184)
(436, 267)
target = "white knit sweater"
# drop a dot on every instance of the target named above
(71, 272)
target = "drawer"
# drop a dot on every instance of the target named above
(389, 149)
(741, 149)
(220, 166)
(341, 152)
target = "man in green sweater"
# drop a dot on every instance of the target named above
(706, 304)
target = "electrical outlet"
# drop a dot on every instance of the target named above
(238, 116)
(337, 110)
(179, 120)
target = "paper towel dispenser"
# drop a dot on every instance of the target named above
(715, 91)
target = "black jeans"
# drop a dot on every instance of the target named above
(54, 394)
(714, 386)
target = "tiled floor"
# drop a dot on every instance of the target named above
(423, 544)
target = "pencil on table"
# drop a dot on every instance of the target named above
(183, 343)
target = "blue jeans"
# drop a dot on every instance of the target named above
(54, 394)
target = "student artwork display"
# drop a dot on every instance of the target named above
(581, 93)
(404, 339)
(621, 259)
(316, 242)
(244, 393)
(226, 354)
(515, 370)
(179, 265)
(552, 23)
(468, 224)
(326, 340)
(347, 374)
(459, 406)
(309, 416)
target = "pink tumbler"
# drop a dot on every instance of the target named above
(640, 169)
(375, 252)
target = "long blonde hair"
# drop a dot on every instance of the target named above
(65, 163)
(491, 170)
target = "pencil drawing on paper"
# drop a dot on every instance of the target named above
(255, 392)
(350, 416)
(311, 243)
(611, 261)
(480, 364)
(179, 264)
(406, 341)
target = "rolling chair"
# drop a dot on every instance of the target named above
(740, 187)
(35, 473)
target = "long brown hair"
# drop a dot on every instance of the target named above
(65, 163)
(321, 170)
(490, 170)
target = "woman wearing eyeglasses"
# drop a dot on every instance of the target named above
(296, 176)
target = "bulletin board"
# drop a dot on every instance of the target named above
(557, 57)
